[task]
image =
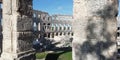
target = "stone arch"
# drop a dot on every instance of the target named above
(72, 33)
(60, 27)
(60, 33)
(64, 33)
(56, 27)
(49, 35)
(52, 34)
(56, 33)
(68, 33)
(64, 28)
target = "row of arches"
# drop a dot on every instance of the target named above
(51, 27)
(53, 34)
(60, 27)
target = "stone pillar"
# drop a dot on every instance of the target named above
(47, 35)
(62, 33)
(50, 35)
(59, 34)
(39, 26)
(54, 33)
(94, 29)
(39, 35)
(70, 33)
(67, 33)
(17, 30)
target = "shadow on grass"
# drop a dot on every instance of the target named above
(55, 56)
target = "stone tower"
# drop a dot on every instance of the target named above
(17, 30)
(94, 29)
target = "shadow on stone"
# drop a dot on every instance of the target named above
(99, 38)
(31, 57)
(1, 38)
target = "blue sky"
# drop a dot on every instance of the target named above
(54, 6)
(119, 8)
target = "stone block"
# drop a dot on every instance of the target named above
(25, 40)
(24, 23)
(25, 7)
(95, 28)
(17, 34)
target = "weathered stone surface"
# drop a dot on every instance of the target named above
(17, 30)
(25, 7)
(8, 9)
(94, 29)
(24, 23)
(25, 40)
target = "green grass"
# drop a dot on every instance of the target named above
(41, 55)
(66, 56)
(61, 55)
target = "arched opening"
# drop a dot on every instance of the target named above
(72, 34)
(56, 28)
(45, 35)
(60, 33)
(52, 35)
(64, 27)
(60, 28)
(118, 34)
(68, 33)
(56, 15)
(56, 33)
(87, 44)
(48, 35)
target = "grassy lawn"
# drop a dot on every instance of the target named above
(41, 55)
(66, 56)
(55, 56)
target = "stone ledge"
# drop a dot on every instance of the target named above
(26, 52)
(19, 56)
(26, 55)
